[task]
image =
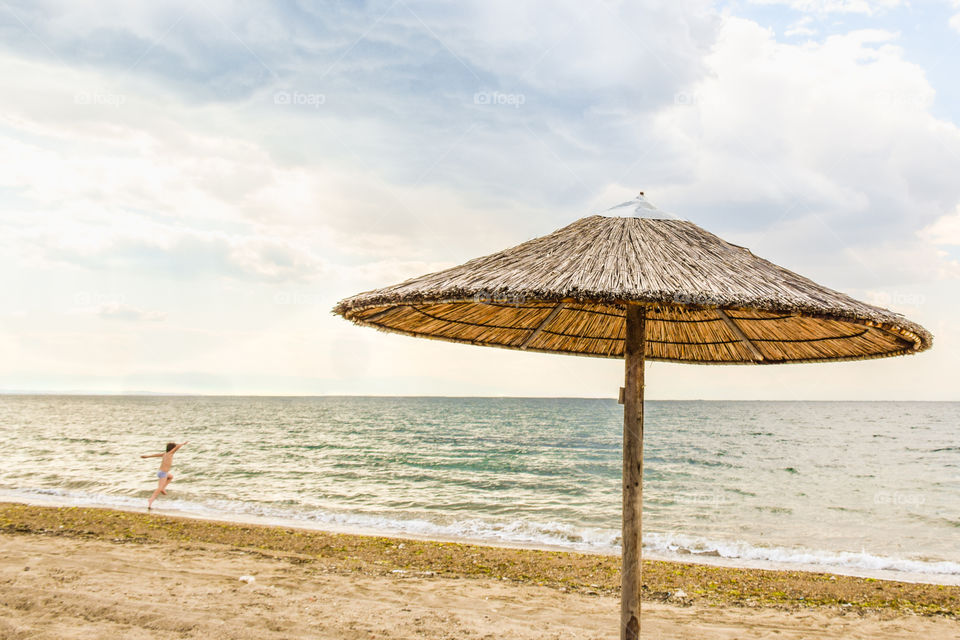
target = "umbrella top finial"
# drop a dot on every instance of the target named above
(639, 207)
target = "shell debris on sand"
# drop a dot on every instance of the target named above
(247, 579)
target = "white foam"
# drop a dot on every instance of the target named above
(860, 563)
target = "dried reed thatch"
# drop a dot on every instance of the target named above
(708, 301)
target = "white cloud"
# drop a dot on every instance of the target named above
(572, 46)
(182, 186)
(829, 146)
(188, 254)
(177, 178)
(399, 81)
(144, 184)
(945, 231)
(868, 7)
(801, 28)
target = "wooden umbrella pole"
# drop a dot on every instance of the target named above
(631, 578)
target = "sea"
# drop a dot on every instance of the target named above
(864, 488)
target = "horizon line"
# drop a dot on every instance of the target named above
(161, 394)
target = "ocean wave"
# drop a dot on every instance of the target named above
(679, 544)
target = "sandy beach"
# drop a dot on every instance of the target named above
(91, 573)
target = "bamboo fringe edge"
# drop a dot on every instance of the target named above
(915, 345)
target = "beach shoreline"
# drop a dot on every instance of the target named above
(708, 559)
(76, 573)
(701, 583)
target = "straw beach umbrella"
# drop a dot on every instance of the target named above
(638, 284)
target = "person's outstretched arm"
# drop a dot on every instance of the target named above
(153, 455)
(177, 448)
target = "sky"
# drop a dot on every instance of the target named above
(187, 188)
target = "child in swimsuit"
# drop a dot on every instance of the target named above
(164, 477)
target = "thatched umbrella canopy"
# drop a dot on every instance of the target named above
(636, 283)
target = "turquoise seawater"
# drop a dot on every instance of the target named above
(859, 486)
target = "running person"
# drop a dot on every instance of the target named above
(164, 477)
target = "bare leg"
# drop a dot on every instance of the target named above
(163, 484)
(156, 492)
